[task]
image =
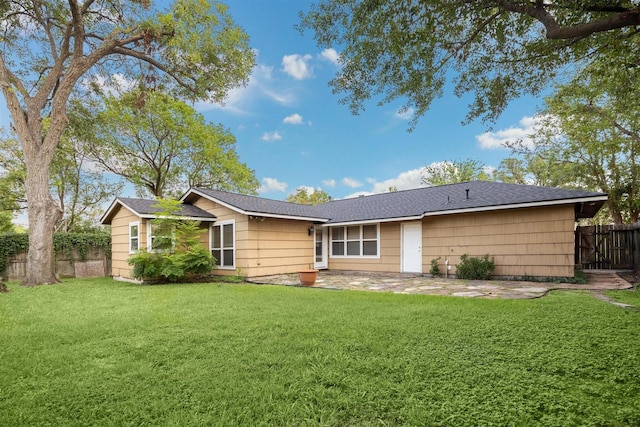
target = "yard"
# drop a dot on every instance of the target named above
(99, 352)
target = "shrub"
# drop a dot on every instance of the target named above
(435, 268)
(475, 268)
(179, 251)
(146, 265)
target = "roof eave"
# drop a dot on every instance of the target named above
(182, 218)
(252, 213)
(374, 221)
(519, 205)
(108, 215)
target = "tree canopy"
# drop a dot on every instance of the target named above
(591, 132)
(451, 172)
(499, 49)
(79, 191)
(51, 49)
(305, 196)
(163, 146)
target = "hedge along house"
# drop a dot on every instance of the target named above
(132, 229)
(529, 230)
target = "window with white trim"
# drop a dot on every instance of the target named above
(355, 241)
(160, 237)
(222, 241)
(134, 236)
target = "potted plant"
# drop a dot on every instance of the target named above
(307, 277)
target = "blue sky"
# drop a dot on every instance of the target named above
(291, 130)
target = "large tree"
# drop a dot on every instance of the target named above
(307, 196)
(163, 146)
(592, 132)
(451, 172)
(48, 47)
(499, 49)
(79, 190)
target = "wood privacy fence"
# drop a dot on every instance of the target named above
(93, 263)
(608, 247)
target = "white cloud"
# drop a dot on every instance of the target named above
(294, 119)
(404, 181)
(405, 114)
(297, 66)
(272, 184)
(523, 132)
(329, 183)
(350, 182)
(261, 85)
(330, 55)
(271, 136)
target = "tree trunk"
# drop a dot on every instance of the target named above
(44, 213)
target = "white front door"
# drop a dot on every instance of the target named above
(412, 247)
(321, 248)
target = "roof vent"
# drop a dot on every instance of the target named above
(467, 190)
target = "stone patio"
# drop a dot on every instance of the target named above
(419, 284)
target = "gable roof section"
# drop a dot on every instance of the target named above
(144, 208)
(411, 204)
(258, 206)
(452, 198)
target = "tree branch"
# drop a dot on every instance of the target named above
(539, 12)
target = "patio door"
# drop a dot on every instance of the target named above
(412, 247)
(321, 248)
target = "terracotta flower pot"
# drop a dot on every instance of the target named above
(307, 277)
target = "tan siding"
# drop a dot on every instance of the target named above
(265, 245)
(389, 260)
(120, 241)
(533, 242)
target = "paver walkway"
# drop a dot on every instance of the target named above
(418, 284)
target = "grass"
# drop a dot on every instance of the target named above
(98, 352)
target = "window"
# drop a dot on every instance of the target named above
(222, 241)
(160, 237)
(134, 237)
(355, 241)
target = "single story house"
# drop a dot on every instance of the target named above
(529, 230)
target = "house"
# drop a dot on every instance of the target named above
(529, 230)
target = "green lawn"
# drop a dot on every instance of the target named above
(99, 352)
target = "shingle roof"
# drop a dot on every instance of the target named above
(260, 205)
(452, 197)
(145, 207)
(482, 195)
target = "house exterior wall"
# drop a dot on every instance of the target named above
(524, 242)
(389, 260)
(264, 246)
(120, 241)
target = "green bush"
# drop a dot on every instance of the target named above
(146, 265)
(435, 269)
(472, 268)
(179, 255)
(172, 267)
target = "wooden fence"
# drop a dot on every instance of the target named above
(608, 247)
(94, 263)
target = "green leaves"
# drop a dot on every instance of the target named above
(500, 50)
(592, 132)
(450, 172)
(163, 146)
(179, 255)
(303, 197)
